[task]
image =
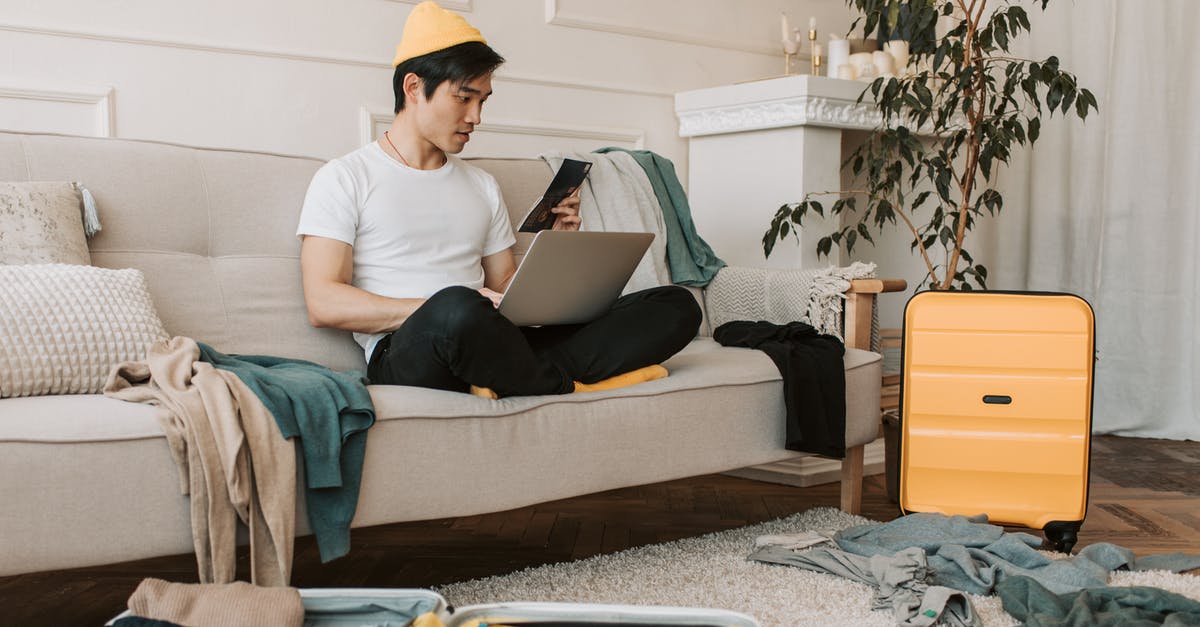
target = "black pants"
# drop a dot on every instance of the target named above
(457, 339)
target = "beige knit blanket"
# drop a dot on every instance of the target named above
(233, 460)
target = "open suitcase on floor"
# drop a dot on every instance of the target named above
(996, 408)
(395, 607)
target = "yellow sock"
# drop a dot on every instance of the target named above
(641, 375)
(484, 392)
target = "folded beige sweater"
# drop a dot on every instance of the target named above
(225, 604)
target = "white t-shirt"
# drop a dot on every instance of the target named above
(414, 232)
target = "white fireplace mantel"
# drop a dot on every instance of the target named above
(756, 146)
(786, 101)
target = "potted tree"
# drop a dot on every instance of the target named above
(972, 101)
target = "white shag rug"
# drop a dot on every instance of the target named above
(712, 571)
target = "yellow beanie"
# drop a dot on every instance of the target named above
(431, 28)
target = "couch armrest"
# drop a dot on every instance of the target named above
(860, 303)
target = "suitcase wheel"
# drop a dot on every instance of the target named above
(1061, 536)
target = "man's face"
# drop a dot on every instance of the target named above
(448, 117)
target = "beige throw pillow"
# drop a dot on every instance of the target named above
(62, 327)
(41, 222)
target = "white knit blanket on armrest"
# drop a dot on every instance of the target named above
(780, 296)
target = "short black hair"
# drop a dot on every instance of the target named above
(462, 63)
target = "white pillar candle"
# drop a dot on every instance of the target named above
(898, 48)
(839, 53)
(884, 63)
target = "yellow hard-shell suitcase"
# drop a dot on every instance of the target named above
(996, 408)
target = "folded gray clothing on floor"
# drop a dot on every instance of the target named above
(970, 555)
(928, 531)
(1134, 606)
(900, 581)
(794, 541)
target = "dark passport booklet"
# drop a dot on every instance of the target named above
(568, 179)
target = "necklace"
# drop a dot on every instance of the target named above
(402, 159)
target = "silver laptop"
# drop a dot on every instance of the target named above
(572, 277)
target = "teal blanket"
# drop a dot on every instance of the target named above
(329, 413)
(690, 258)
(1118, 606)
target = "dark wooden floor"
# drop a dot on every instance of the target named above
(1144, 495)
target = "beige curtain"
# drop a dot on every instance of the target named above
(1108, 209)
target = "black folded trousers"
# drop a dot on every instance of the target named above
(457, 339)
(814, 380)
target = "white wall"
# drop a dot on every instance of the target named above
(313, 77)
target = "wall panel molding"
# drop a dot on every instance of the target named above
(212, 47)
(372, 123)
(632, 136)
(102, 102)
(557, 16)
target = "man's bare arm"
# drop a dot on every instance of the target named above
(498, 270)
(327, 268)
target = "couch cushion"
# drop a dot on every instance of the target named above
(76, 418)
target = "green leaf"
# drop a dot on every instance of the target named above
(783, 229)
(1002, 38)
(1035, 129)
(946, 236)
(768, 242)
(921, 198)
(824, 246)
(851, 236)
(865, 232)
(1068, 99)
(816, 206)
(1019, 16)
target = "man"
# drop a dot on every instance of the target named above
(410, 247)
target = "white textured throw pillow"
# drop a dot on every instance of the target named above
(62, 327)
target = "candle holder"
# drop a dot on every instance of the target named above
(812, 45)
(791, 48)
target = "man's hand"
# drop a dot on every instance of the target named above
(568, 214)
(493, 295)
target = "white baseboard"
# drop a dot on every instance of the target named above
(809, 470)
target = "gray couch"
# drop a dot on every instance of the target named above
(86, 480)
